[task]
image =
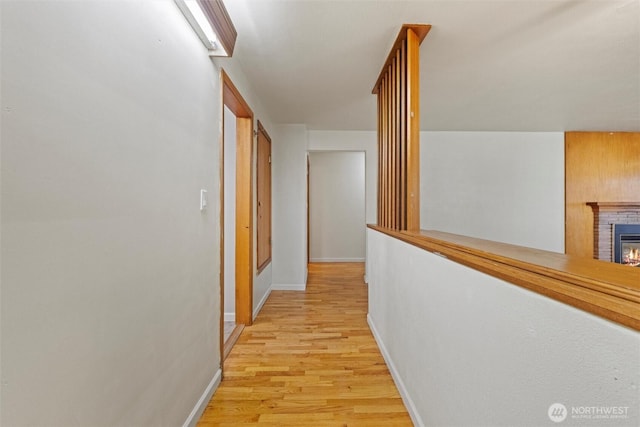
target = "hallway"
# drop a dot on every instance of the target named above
(309, 360)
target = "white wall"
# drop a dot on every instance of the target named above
(111, 125)
(481, 351)
(337, 206)
(289, 200)
(229, 215)
(502, 186)
(366, 141)
(289, 148)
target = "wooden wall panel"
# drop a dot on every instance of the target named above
(599, 167)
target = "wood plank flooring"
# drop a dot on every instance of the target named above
(309, 360)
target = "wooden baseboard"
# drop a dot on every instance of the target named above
(230, 342)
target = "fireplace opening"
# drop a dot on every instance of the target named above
(626, 244)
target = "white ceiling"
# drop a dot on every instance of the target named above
(545, 65)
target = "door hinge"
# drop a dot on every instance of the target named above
(269, 158)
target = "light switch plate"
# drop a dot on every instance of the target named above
(203, 200)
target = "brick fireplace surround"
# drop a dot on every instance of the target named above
(605, 214)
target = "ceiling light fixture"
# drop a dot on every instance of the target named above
(211, 22)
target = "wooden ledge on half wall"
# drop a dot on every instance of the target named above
(614, 205)
(602, 288)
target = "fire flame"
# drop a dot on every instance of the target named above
(632, 258)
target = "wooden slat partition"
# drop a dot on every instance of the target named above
(398, 90)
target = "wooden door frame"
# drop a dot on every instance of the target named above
(308, 209)
(232, 99)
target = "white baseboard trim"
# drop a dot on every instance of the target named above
(229, 317)
(337, 260)
(408, 402)
(256, 311)
(202, 403)
(290, 287)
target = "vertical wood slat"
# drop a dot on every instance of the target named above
(397, 157)
(413, 131)
(382, 160)
(392, 146)
(385, 175)
(378, 191)
(385, 143)
(389, 150)
(398, 91)
(403, 135)
(381, 172)
(387, 171)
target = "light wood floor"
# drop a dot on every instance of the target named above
(309, 360)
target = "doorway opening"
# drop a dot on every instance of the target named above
(337, 221)
(236, 220)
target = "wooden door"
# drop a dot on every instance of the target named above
(264, 199)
